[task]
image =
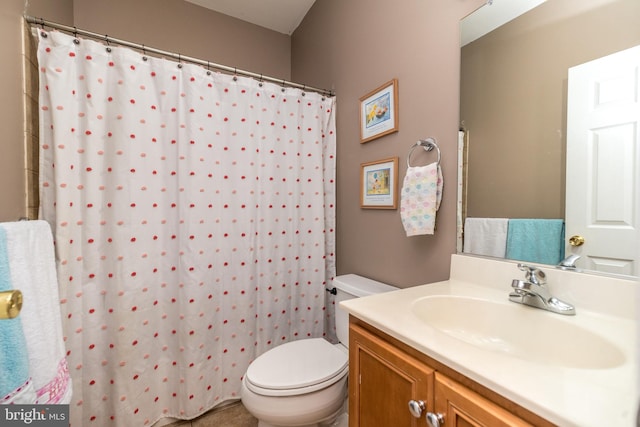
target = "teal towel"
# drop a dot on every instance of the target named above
(536, 240)
(14, 360)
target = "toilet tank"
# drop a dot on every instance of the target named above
(350, 286)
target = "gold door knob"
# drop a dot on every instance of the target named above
(10, 304)
(576, 240)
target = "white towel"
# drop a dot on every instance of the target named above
(486, 236)
(15, 384)
(33, 271)
(420, 199)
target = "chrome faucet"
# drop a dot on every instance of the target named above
(569, 263)
(533, 291)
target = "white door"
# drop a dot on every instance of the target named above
(603, 162)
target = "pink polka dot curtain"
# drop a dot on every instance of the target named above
(193, 215)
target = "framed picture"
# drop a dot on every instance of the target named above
(379, 112)
(379, 184)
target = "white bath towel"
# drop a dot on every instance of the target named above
(33, 271)
(486, 236)
(15, 384)
(420, 199)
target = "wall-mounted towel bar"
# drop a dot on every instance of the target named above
(10, 304)
(428, 144)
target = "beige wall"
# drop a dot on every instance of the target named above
(354, 46)
(12, 160)
(173, 25)
(514, 105)
(11, 137)
(182, 27)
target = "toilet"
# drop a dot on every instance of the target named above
(304, 383)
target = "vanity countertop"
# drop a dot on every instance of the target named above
(563, 394)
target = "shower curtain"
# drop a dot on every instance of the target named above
(193, 215)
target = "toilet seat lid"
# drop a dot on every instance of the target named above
(297, 364)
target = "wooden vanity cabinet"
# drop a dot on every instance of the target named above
(382, 381)
(385, 374)
(462, 407)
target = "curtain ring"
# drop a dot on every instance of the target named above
(208, 69)
(144, 53)
(43, 33)
(106, 39)
(179, 61)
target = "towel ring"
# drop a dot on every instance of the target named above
(428, 144)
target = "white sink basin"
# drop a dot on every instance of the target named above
(519, 331)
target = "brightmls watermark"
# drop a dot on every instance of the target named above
(34, 415)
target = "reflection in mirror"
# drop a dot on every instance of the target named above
(513, 108)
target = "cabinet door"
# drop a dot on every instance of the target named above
(462, 407)
(382, 381)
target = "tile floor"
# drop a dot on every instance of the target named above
(233, 415)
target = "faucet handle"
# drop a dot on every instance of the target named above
(533, 274)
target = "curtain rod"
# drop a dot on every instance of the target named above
(76, 31)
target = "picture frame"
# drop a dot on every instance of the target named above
(379, 112)
(379, 184)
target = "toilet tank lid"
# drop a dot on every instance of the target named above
(360, 286)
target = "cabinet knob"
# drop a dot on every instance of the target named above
(435, 420)
(416, 407)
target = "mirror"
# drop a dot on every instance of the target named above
(513, 105)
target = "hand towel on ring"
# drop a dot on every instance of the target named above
(420, 198)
